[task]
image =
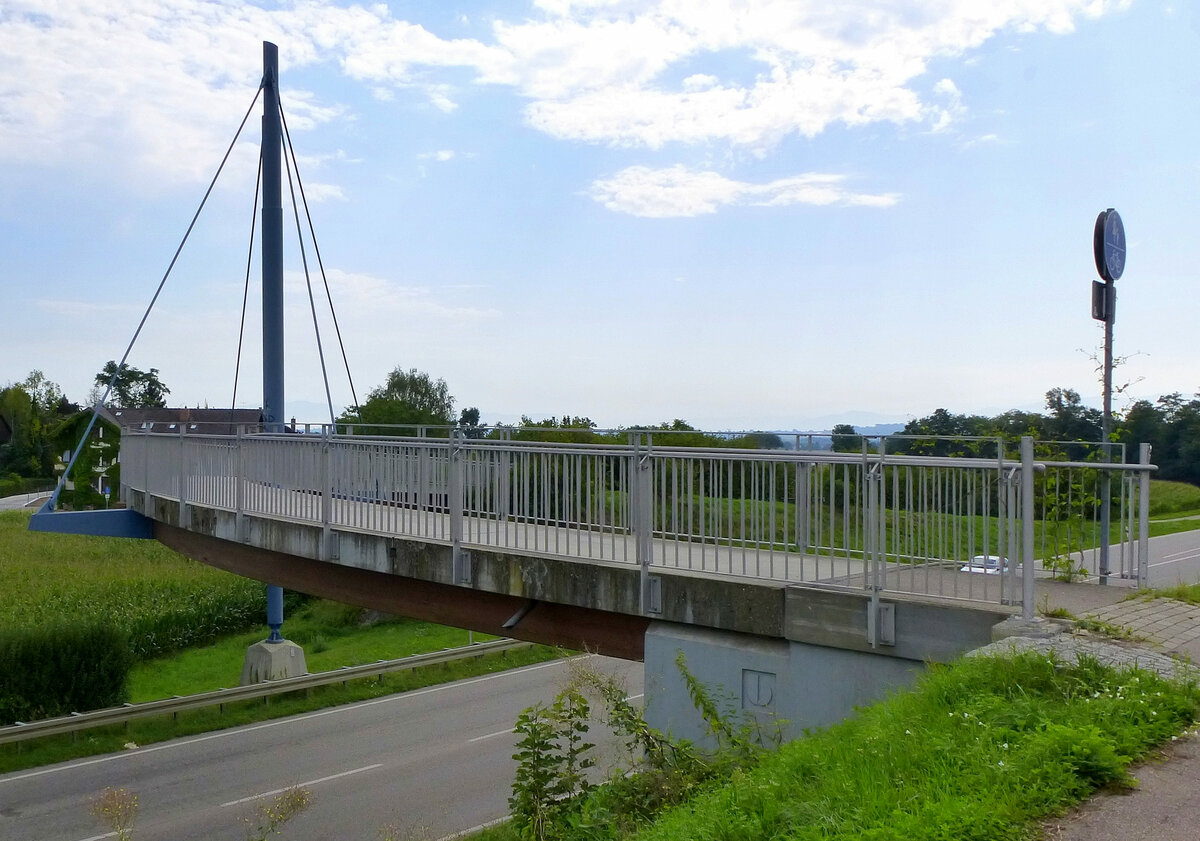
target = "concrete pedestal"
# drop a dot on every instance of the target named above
(273, 661)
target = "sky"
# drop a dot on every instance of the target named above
(766, 214)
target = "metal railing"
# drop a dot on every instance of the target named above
(76, 722)
(874, 519)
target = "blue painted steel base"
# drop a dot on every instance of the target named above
(275, 612)
(115, 522)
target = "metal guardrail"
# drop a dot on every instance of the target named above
(75, 722)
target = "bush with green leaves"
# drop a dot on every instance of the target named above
(553, 796)
(56, 670)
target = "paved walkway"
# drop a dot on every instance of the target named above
(10, 503)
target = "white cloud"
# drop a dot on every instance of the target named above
(441, 155)
(678, 191)
(158, 80)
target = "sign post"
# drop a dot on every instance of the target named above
(1108, 247)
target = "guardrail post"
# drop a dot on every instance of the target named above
(1027, 588)
(459, 563)
(1143, 570)
(642, 517)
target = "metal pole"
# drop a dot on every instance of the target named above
(272, 279)
(1110, 300)
(1027, 590)
(1143, 570)
(272, 243)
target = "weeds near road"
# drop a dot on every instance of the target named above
(553, 797)
(116, 808)
(276, 812)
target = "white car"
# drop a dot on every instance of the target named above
(986, 564)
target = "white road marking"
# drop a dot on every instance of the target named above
(98, 837)
(1178, 557)
(302, 785)
(491, 735)
(474, 829)
(276, 723)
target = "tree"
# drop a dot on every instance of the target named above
(1069, 419)
(468, 422)
(46, 395)
(408, 398)
(31, 410)
(133, 388)
(845, 439)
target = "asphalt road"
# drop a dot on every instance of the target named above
(431, 763)
(1175, 559)
(10, 503)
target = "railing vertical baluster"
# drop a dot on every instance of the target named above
(239, 513)
(326, 472)
(458, 560)
(1027, 590)
(1143, 570)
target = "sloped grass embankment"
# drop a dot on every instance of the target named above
(980, 750)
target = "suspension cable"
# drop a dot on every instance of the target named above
(308, 282)
(53, 501)
(320, 263)
(237, 366)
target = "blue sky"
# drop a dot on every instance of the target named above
(775, 214)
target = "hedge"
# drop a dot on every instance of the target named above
(60, 669)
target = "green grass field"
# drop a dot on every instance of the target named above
(164, 600)
(329, 633)
(1173, 499)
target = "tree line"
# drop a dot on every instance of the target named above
(1170, 425)
(38, 419)
(38, 422)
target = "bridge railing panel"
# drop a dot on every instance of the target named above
(948, 526)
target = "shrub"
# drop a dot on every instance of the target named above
(56, 670)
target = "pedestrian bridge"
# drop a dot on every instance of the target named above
(612, 546)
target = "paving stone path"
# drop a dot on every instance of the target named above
(1170, 625)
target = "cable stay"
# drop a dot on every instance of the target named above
(128, 523)
(123, 523)
(321, 265)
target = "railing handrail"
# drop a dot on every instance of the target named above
(720, 453)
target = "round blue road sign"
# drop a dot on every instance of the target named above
(1108, 243)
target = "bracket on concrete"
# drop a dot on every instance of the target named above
(651, 594)
(460, 564)
(881, 623)
(332, 542)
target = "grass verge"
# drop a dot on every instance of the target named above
(981, 750)
(147, 731)
(1189, 593)
(1173, 498)
(330, 634)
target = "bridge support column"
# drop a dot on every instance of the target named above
(779, 686)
